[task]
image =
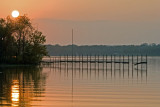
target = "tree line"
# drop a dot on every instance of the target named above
(143, 49)
(20, 42)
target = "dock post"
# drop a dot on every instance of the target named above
(119, 62)
(146, 59)
(128, 66)
(67, 62)
(128, 62)
(87, 61)
(79, 62)
(114, 62)
(146, 62)
(132, 65)
(137, 62)
(111, 62)
(98, 62)
(103, 62)
(123, 62)
(114, 65)
(90, 62)
(53, 62)
(141, 62)
(75, 61)
(95, 62)
(106, 62)
(57, 62)
(60, 61)
(82, 61)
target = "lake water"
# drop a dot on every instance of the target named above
(66, 87)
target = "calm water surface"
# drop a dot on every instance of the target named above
(66, 87)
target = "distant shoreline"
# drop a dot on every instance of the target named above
(143, 49)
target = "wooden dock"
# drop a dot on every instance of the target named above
(96, 59)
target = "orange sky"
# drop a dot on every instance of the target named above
(127, 11)
(84, 9)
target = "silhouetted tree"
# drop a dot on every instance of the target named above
(20, 42)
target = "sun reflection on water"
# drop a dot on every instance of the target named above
(15, 93)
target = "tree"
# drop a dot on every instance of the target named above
(6, 40)
(20, 42)
(34, 50)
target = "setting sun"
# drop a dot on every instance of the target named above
(15, 13)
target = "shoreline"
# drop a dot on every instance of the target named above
(17, 65)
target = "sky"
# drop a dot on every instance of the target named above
(95, 22)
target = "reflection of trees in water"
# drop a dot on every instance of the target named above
(19, 86)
